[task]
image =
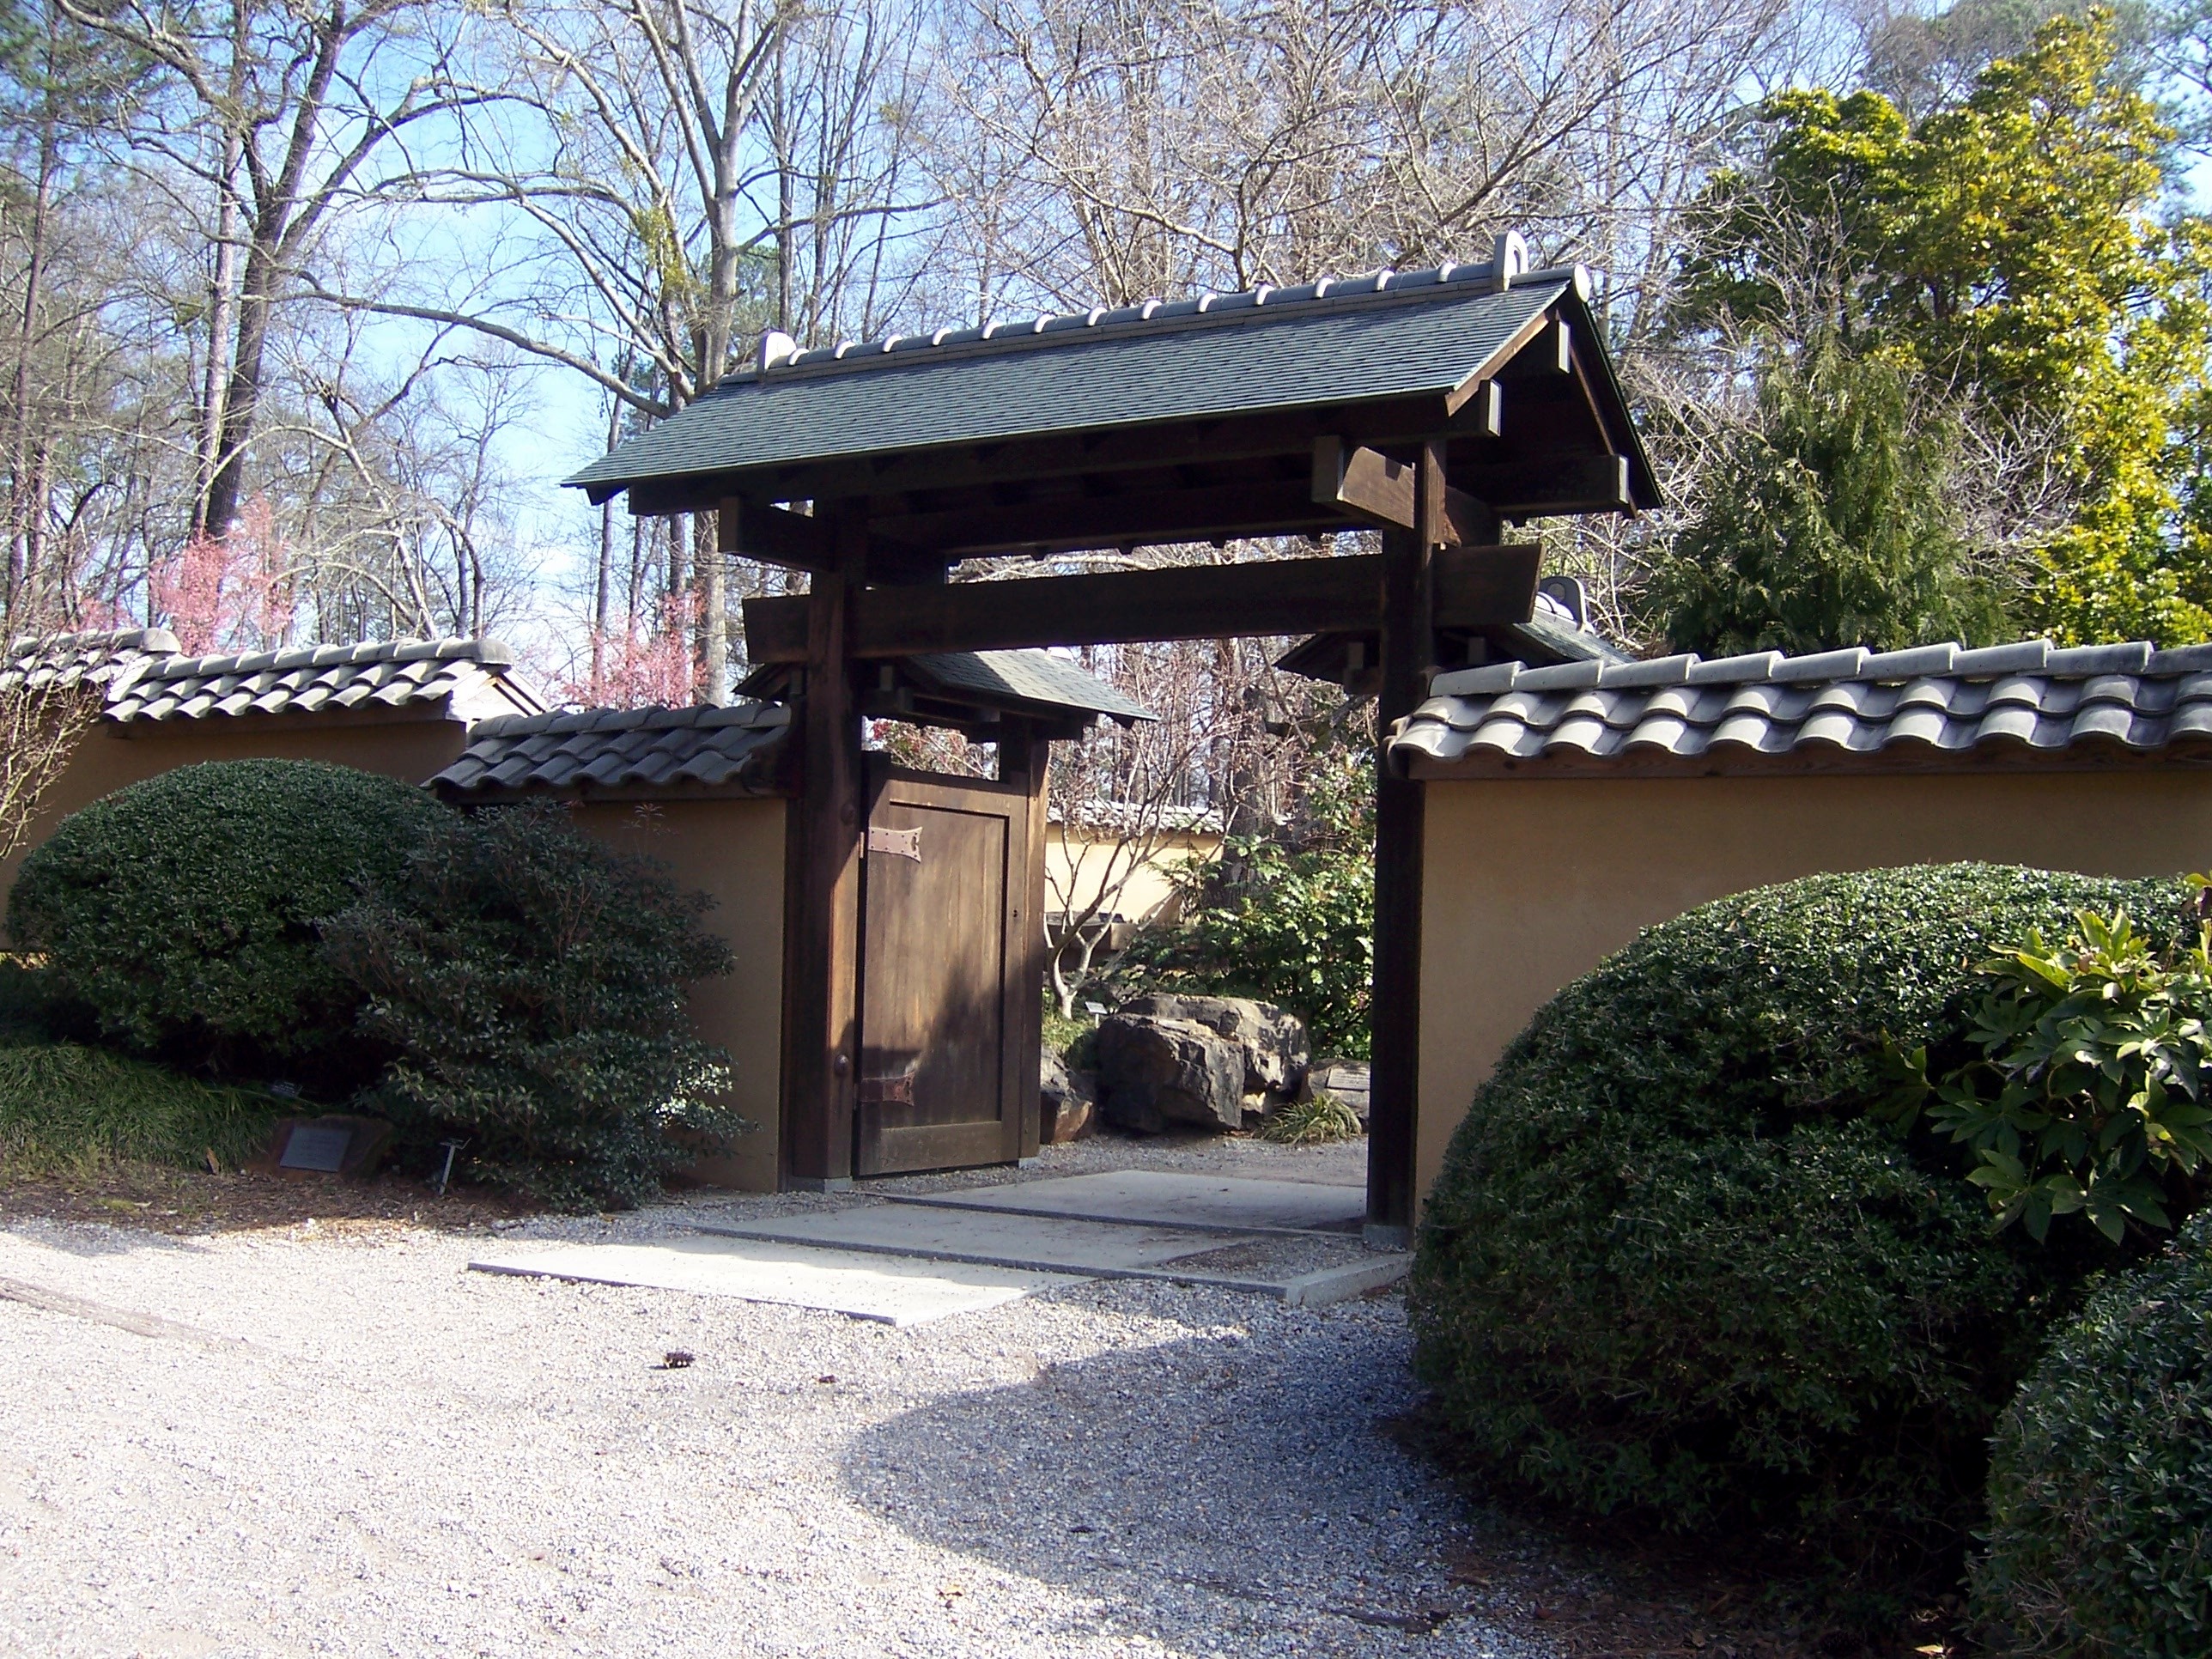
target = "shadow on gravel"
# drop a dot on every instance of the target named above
(1207, 1490)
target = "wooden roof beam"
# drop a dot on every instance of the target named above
(1474, 587)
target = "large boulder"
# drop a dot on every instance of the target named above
(1067, 1099)
(1273, 1041)
(1152, 1072)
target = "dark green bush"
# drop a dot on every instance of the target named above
(1672, 1267)
(2101, 1484)
(534, 984)
(183, 910)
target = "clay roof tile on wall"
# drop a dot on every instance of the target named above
(2026, 703)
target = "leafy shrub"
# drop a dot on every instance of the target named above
(2090, 1093)
(1286, 919)
(533, 982)
(2100, 1484)
(183, 910)
(63, 1106)
(1671, 1266)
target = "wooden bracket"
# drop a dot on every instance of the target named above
(774, 535)
(1368, 484)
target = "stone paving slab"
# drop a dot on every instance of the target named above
(1160, 1198)
(1047, 1243)
(887, 1289)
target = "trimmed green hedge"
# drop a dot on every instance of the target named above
(2101, 1484)
(184, 910)
(1670, 1267)
(534, 984)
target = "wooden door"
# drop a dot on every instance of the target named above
(945, 997)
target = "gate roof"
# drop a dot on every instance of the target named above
(1239, 385)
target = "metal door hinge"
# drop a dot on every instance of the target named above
(906, 843)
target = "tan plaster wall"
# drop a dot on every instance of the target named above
(1527, 884)
(412, 751)
(733, 851)
(1076, 869)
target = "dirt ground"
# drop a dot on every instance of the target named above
(161, 1200)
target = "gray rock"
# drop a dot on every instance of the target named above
(1152, 1072)
(1067, 1099)
(1273, 1041)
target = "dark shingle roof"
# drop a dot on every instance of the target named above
(469, 676)
(2030, 703)
(44, 661)
(1383, 335)
(1035, 679)
(730, 750)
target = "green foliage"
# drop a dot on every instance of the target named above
(64, 1107)
(1286, 921)
(184, 910)
(2100, 1541)
(2089, 1094)
(1828, 522)
(534, 984)
(2007, 244)
(1321, 1117)
(1672, 1267)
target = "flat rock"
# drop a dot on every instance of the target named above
(1164, 1199)
(1049, 1244)
(888, 1290)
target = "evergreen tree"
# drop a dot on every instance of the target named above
(1828, 522)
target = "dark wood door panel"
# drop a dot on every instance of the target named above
(945, 885)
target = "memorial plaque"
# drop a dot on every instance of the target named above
(310, 1146)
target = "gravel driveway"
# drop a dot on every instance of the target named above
(324, 1440)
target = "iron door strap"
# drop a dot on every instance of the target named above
(905, 843)
(887, 1091)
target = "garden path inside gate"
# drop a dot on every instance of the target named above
(337, 1439)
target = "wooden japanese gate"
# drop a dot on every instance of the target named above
(1430, 407)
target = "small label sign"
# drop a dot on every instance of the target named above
(903, 843)
(318, 1148)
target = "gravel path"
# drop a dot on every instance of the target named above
(325, 1441)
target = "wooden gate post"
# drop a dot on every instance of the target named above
(1406, 659)
(1025, 757)
(822, 888)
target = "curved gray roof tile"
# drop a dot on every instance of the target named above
(620, 749)
(1931, 704)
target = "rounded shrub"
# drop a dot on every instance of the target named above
(2100, 1540)
(184, 911)
(534, 986)
(1672, 1267)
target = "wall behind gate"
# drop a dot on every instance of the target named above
(1529, 882)
(732, 850)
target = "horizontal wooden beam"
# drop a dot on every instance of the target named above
(1474, 587)
(1369, 484)
(1532, 490)
(1125, 518)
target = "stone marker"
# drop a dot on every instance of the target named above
(340, 1143)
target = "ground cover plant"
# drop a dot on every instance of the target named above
(533, 984)
(1676, 1267)
(65, 1108)
(183, 912)
(2100, 1539)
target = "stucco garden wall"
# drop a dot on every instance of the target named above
(732, 850)
(1527, 883)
